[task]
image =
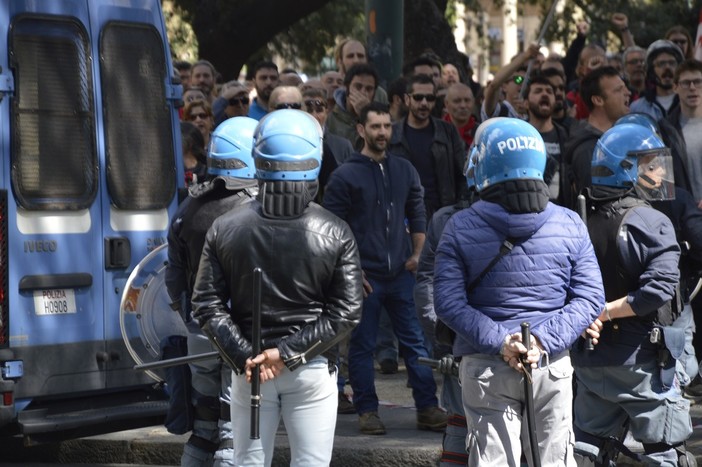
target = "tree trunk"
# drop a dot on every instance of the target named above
(426, 29)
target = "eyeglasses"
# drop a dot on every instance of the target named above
(635, 61)
(315, 105)
(201, 116)
(665, 63)
(292, 105)
(421, 97)
(243, 100)
(518, 79)
(687, 83)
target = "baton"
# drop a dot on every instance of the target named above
(434, 364)
(529, 399)
(177, 361)
(542, 33)
(582, 212)
(255, 350)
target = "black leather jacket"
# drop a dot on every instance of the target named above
(312, 288)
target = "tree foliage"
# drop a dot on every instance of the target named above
(648, 19)
(306, 43)
(232, 33)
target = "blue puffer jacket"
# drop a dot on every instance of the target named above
(550, 279)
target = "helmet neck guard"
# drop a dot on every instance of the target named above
(286, 199)
(518, 196)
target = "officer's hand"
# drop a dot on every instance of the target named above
(446, 365)
(512, 349)
(593, 331)
(270, 365)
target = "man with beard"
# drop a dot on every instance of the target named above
(265, 75)
(432, 146)
(540, 104)
(607, 98)
(662, 58)
(351, 52)
(360, 85)
(557, 79)
(375, 192)
(202, 75)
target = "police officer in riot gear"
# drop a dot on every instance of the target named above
(231, 173)
(510, 258)
(311, 295)
(632, 379)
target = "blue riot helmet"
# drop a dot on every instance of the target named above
(288, 146)
(632, 156)
(640, 118)
(469, 170)
(229, 155)
(508, 149)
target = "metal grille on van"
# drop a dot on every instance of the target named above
(53, 130)
(138, 133)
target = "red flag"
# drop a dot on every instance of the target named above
(698, 40)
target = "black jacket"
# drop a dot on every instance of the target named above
(312, 288)
(448, 153)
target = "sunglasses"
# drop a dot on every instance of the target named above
(518, 79)
(244, 100)
(201, 116)
(293, 105)
(315, 105)
(421, 97)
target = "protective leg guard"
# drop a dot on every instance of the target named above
(198, 452)
(224, 457)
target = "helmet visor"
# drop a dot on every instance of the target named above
(655, 180)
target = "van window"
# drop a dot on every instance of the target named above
(141, 171)
(54, 157)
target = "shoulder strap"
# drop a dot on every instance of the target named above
(505, 248)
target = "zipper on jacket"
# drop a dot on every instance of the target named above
(388, 212)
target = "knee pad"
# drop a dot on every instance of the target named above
(202, 444)
(225, 412)
(207, 408)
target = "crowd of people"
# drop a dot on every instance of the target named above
(565, 193)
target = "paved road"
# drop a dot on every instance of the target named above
(403, 445)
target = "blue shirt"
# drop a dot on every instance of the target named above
(256, 111)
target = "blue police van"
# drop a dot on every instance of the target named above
(89, 174)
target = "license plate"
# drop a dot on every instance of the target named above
(54, 301)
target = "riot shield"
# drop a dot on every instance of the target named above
(146, 318)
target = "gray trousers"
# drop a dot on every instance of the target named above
(493, 399)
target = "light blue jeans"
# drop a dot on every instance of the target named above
(307, 401)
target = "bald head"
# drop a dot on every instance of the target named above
(349, 53)
(459, 103)
(285, 95)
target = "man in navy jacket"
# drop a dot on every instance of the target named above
(379, 195)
